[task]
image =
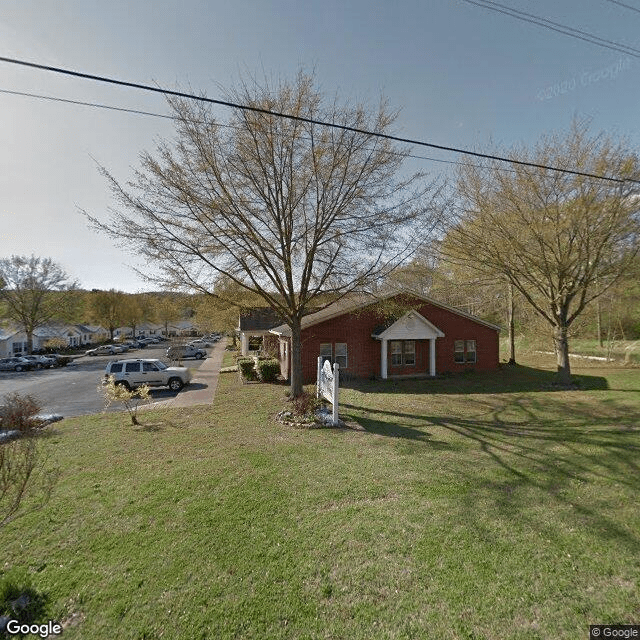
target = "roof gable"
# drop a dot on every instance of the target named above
(351, 304)
(411, 326)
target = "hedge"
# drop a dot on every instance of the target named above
(247, 369)
(268, 370)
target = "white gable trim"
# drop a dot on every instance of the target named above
(411, 326)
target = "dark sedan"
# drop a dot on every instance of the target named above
(16, 364)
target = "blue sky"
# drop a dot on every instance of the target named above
(461, 76)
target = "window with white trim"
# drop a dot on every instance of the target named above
(341, 354)
(326, 351)
(396, 353)
(470, 348)
(403, 352)
(464, 351)
(409, 352)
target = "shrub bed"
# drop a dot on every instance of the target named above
(247, 369)
(268, 370)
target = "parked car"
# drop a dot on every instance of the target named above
(104, 350)
(186, 351)
(154, 373)
(61, 360)
(41, 362)
(15, 363)
(200, 343)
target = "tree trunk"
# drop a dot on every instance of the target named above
(29, 342)
(561, 342)
(296, 358)
(599, 317)
(512, 335)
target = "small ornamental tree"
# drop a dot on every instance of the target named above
(129, 398)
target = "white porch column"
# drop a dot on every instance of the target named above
(432, 356)
(244, 343)
(383, 359)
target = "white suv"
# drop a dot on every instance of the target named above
(186, 351)
(155, 373)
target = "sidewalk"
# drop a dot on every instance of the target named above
(202, 388)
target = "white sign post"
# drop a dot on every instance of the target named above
(327, 385)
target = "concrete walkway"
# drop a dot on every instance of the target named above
(202, 388)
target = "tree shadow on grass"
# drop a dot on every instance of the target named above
(146, 425)
(19, 600)
(525, 450)
(506, 379)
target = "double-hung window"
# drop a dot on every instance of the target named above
(403, 352)
(341, 354)
(470, 348)
(396, 353)
(409, 352)
(338, 355)
(464, 351)
(326, 352)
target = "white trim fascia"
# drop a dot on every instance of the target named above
(433, 330)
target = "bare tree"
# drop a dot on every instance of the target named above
(283, 207)
(36, 291)
(23, 473)
(560, 239)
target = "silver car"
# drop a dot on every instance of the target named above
(154, 373)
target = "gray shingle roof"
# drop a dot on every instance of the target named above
(354, 302)
(259, 319)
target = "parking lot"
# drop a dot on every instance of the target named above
(72, 390)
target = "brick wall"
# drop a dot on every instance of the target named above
(363, 351)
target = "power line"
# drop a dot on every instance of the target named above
(626, 6)
(87, 104)
(555, 26)
(225, 103)
(109, 107)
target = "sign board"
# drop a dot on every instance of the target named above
(327, 385)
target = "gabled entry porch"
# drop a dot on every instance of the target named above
(408, 346)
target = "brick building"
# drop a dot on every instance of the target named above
(401, 335)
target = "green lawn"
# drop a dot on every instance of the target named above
(482, 506)
(620, 351)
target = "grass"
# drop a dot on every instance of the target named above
(621, 351)
(476, 507)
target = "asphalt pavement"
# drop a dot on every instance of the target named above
(73, 390)
(202, 388)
